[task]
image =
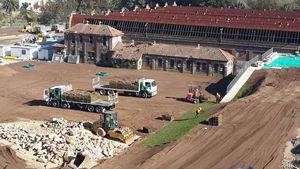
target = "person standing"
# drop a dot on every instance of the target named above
(198, 111)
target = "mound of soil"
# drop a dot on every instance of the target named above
(254, 132)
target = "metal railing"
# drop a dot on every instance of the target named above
(247, 65)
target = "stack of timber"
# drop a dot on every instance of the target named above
(81, 96)
(124, 84)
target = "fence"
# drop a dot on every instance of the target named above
(247, 65)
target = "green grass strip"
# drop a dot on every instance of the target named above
(177, 128)
(244, 91)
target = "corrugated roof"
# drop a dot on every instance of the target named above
(103, 30)
(200, 16)
(127, 51)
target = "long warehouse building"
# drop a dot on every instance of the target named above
(181, 24)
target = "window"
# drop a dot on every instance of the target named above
(23, 52)
(73, 39)
(172, 64)
(147, 61)
(203, 66)
(216, 67)
(104, 41)
(80, 39)
(178, 64)
(198, 67)
(148, 85)
(188, 65)
(91, 39)
(160, 62)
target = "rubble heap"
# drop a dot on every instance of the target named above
(292, 154)
(58, 139)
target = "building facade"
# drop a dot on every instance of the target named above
(92, 43)
(176, 58)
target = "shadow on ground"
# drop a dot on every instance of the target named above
(220, 86)
(36, 103)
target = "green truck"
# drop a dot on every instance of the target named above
(65, 97)
(144, 88)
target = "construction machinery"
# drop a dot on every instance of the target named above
(195, 94)
(141, 88)
(31, 28)
(108, 125)
(64, 96)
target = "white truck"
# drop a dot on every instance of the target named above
(64, 96)
(144, 88)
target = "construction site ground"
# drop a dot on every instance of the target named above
(21, 95)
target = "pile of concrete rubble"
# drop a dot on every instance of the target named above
(292, 154)
(58, 140)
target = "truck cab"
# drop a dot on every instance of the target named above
(53, 94)
(149, 87)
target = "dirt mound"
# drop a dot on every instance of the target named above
(254, 132)
(7, 71)
(9, 158)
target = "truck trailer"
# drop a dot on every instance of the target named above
(64, 96)
(144, 88)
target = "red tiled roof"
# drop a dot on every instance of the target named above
(103, 30)
(199, 16)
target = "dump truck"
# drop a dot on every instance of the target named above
(65, 97)
(108, 125)
(141, 88)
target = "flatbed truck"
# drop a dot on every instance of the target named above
(56, 97)
(145, 88)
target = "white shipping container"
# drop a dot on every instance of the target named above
(24, 52)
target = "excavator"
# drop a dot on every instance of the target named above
(108, 125)
(31, 28)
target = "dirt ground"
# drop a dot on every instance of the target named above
(21, 93)
(254, 132)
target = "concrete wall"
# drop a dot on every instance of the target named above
(114, 41)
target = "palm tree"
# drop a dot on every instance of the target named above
(10, 6)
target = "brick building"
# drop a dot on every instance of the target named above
(92, 43)
(177, 58)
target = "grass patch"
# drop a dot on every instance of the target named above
(177, 128)
(244, 91)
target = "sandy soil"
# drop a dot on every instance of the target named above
(254, 132)
(21, 93)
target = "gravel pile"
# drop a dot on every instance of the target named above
(292, 154)
(58, 139)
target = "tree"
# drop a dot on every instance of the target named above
(10, 6)
(28, 14)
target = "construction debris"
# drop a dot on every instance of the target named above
(292, 154)
(49, 143)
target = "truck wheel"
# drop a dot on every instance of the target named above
(137, 94)
(65, 105)
(100, 132)
(102, 92)
(144, 95)
(100, 109)
(110, 92)
(54, 104)
(90, 108)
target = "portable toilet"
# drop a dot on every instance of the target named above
(45, 53)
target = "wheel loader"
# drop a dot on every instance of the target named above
(107, 125)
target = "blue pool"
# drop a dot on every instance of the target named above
(284, 62)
